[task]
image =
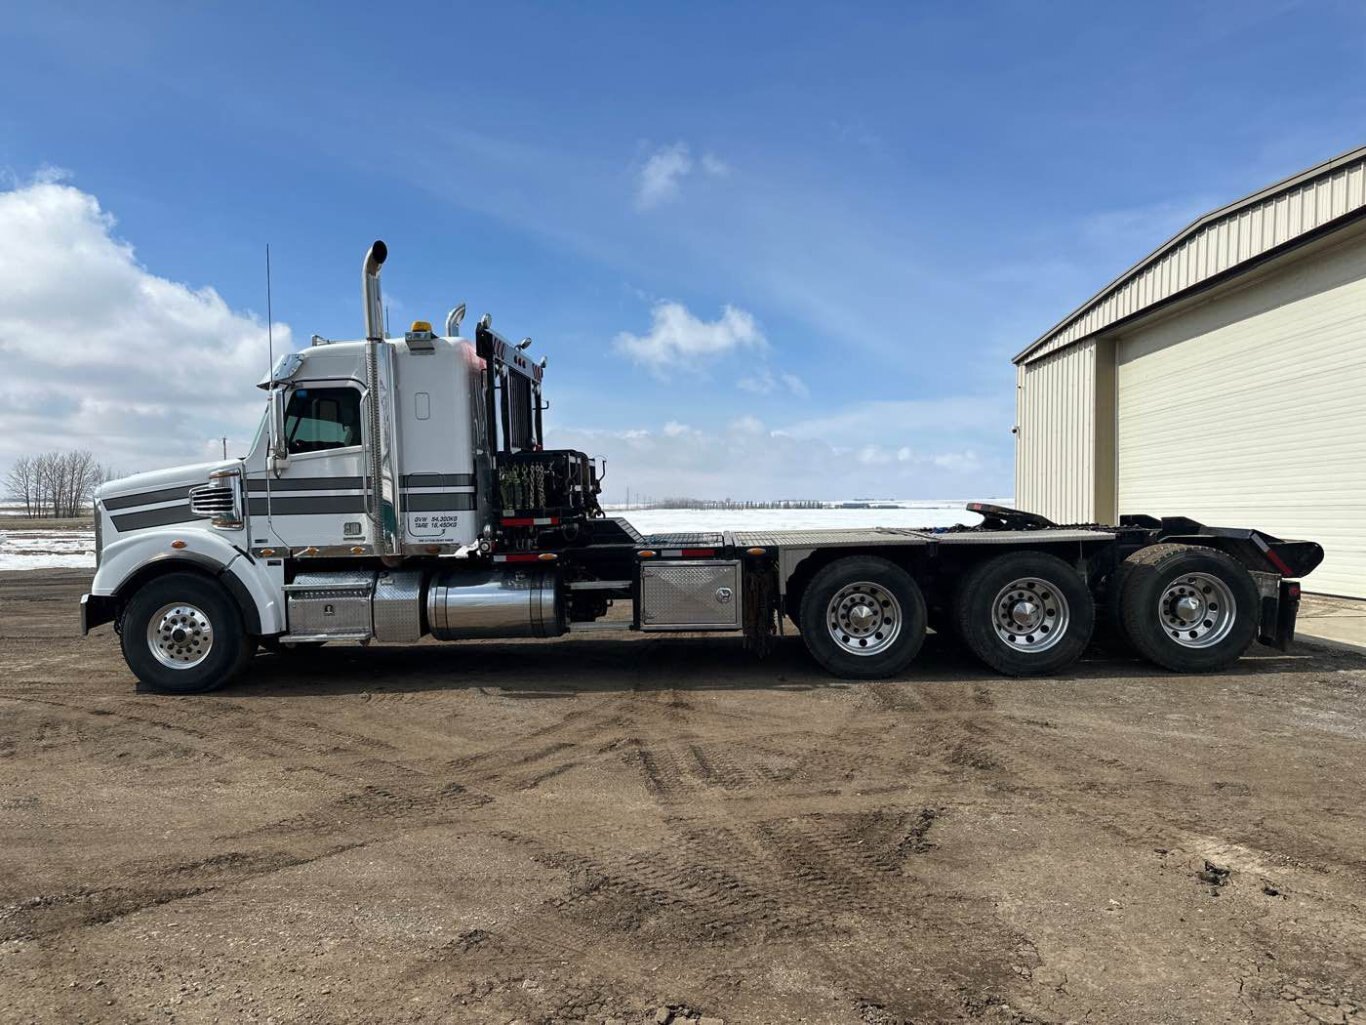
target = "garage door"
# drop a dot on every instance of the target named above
(1250, 410)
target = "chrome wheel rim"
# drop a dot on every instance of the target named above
(1197, 610)
(863, 618)
(1030, 614)
(179, 636)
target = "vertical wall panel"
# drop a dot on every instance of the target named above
(1055, 466)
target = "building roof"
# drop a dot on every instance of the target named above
(1219, 243)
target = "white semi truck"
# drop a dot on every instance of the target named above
(399, 488)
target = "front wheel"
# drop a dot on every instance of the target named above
(1025, 613)
(863, 618)
(182, 634)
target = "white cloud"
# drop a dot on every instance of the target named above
(765, 382)
(918, 450)
(100, 353)
(714, 165)
(662, 174)
(679, 340)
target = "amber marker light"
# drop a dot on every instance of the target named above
(177, 544)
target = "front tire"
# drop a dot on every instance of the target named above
(863, 618)
(1025, 613)
(1188, 608)
(183, 634)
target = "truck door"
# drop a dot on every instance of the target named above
(318, 499)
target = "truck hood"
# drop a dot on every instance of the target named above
(160, 480)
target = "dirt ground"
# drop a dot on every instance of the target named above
(598, 829)
(12, 521)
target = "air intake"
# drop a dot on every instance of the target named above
(219, 503)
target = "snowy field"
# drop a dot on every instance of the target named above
(49, 549)
(907, 514)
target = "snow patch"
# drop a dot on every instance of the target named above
(47, 549)
(668, 521)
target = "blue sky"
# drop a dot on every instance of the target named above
(769, 249)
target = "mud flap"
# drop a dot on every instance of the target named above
(1278, 616)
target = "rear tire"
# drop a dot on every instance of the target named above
(863, 618)
(182, 634)
(1025, 613)
(1188, 608)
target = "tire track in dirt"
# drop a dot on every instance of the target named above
(82, 908)
(826, 876)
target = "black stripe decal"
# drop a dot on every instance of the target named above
(147, 498)
(154, 518)
(437, 503)
(438, 480)
(313, 505)
(259, 484)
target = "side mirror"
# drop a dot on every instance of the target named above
(279, 450)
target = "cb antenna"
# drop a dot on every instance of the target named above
(270, 383)
(270, 320)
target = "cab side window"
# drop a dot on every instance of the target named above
(318, 419)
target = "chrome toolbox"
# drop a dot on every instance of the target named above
(690, 595)
(330, 606)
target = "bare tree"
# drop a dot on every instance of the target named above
(21, 483)
(58, 484)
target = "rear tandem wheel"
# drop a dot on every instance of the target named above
(1187, 608)
(1025, 613)
(863, 618)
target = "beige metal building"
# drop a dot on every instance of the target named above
(1222, 377)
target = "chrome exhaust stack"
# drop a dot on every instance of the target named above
(453, 320)
(374, 305)
(383, 511)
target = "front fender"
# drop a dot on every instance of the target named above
(259, 593)
(123, 559)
